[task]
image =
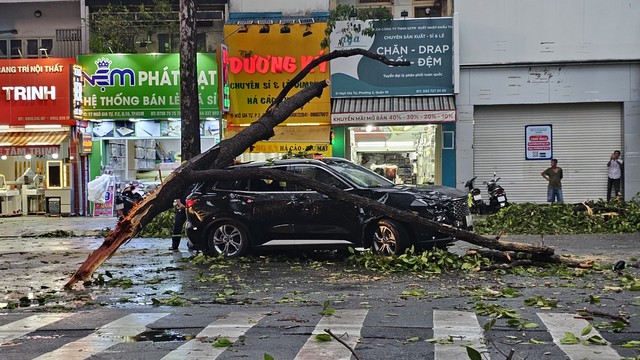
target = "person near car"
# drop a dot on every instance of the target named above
(553, 175)
(615, 174)
(180, 218)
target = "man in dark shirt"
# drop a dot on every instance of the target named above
(180, 219)
(553, 176)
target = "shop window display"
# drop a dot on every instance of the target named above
(402, 154)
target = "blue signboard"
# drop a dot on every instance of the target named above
(427, 43)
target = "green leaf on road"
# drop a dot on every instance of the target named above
(569, 339)
(473, 353)
(323, 337)
(222, 342)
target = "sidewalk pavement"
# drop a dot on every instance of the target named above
(34, 225)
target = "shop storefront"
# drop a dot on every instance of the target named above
(580, 132)
(41, 171)
(132, 104)
(398, 121)
(263, 55)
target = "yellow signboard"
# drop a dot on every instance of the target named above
(262, 59)
(323, 149)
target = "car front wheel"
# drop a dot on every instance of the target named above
(228, 238)
(389, 238)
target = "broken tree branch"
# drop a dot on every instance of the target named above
(219, 156)
(619, 316)
(328, 331)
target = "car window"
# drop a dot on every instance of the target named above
(318, 174)
(257, 184)
(241, 184)
(358, 174)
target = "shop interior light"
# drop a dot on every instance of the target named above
(4, 127)
(54, 156)
(369, 128)
(173, 119)
(71, 157)
(302, 124)
(3, 157)
(5, 144)
(28, 156)
(371, 144)
(400, 144)
(40, 126)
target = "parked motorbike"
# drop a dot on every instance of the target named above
(497, 195)
(126, 200)
(474, 198)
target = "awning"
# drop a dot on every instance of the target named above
(391, 110)
(16, 143)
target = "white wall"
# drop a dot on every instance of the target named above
(287, 7)
(58, 15)
(525, 31)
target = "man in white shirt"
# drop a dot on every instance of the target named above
(615, 173)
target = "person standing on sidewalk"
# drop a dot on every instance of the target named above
(554, 177)
(615, 173)
(180, 218)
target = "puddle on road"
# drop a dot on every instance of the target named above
(161, 335)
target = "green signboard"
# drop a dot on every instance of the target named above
(426, 43)
(143, 86)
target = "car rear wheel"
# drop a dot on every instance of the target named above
(389, 238)
(228, 238)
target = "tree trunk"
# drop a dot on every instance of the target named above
(189, 104)
(512, 258)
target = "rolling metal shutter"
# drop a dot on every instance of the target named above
(584, 136)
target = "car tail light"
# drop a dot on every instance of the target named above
(191, 202)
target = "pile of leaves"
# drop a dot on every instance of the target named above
(589, 217)
(160, 227)
(434, 261)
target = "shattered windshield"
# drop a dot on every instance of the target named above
(358, 174)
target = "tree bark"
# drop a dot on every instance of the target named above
(511, 257)
(189, 104)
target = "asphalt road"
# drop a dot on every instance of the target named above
(150, 303)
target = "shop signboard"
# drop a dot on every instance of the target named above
(323, 149)
(36, 91)
(144, 86)
(261, 63)
(538, 142)
(105, 209)
(427, 43)
(398, 117)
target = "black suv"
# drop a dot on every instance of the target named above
(231, 217)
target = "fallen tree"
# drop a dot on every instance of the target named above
(223, 155)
